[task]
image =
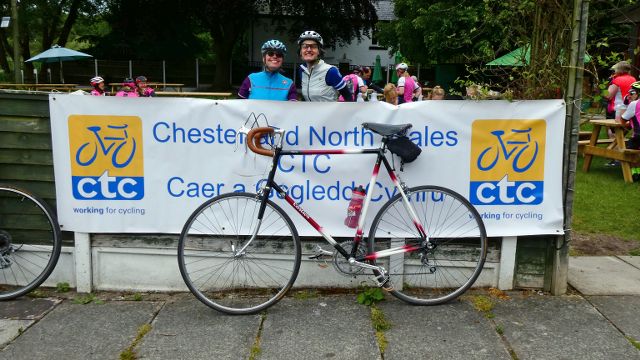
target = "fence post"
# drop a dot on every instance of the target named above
(197, 75)
(95, 62)
(130, 69)
(164, 75)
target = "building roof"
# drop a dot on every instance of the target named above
(384, 10)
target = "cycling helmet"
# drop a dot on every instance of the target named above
(402, 66)
(636, 86)
(140, 79)
(310, 35)
(357, 69)
(96, 80)
(129, 82)
(275, 45)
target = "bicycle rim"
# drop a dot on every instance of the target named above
(243, 283)
(453, 226)
(29, 242)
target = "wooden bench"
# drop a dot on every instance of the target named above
(225, 95)
(583, 143)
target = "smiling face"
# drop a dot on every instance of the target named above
(272, 60)
(309, 51)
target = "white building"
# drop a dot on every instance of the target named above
(357, 53)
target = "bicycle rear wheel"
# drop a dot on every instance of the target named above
(224, 278)
(454, 228)
(29, 242)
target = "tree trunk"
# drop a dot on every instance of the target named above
(223, 52)
(5, 52)
(69, 22)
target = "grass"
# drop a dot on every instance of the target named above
(633, 342)
(256, 350)
(130, 352)
(380, 325)
(86, 299)
(483, 303)
(604, 203)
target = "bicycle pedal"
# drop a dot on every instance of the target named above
(384, 282)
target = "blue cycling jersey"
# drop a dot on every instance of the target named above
(266, 85)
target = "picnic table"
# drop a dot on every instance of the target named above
(615, 148)
(42, 87)
(155, 85)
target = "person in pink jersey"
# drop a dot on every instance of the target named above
(98, 86)
(406, 86)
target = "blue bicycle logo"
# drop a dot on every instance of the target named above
(524, 155)
(121, 147)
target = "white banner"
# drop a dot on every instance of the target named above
(128, 165)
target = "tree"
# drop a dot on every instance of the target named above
(475, 32)
(147, 29)
(339, 21)
(42, 23)
(432, 31)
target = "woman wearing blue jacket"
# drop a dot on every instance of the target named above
(269, 84)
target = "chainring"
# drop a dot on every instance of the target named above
(341, 264)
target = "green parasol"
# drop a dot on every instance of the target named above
(377, 72)
(398, 60)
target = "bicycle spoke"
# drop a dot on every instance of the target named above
(429, 276)
(229, 281)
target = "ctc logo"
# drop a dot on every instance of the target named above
(106, 156)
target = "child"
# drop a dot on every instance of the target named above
(390, 94)
(98, 86)
(128, 89)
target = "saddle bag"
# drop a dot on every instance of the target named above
(404, 148)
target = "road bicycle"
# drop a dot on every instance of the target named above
(30, 241)
(240, 253)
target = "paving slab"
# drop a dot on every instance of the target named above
(450, 331)
(603, 275)
(622, 311)
(559, 327)
(631, 260)
(27, 308)
(328, 327)
(10, 329)
(187, 329)
(72, 331)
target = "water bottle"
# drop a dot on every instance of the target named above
(355, 207)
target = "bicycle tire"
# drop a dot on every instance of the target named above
(441, 274)
(30, 241)
(244, 284)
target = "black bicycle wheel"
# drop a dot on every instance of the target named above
(225, 277)
(454, 228)
(29, 242)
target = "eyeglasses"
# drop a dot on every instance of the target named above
(275, 53)
(309, 46)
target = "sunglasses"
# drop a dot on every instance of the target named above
(275, 53)
(309, 46)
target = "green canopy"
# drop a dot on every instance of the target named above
(377, 72)
(398, 60)
(519, 56)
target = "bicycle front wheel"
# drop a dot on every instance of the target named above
(29, 242)
(228, 270)
(442, 272)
